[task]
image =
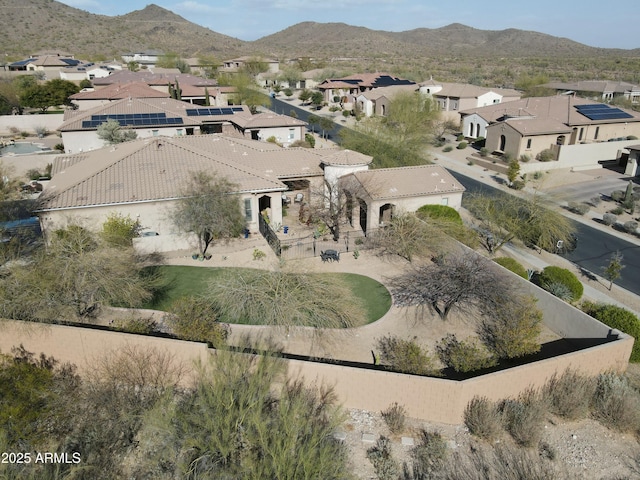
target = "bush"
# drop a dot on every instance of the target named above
(59, 147)
(524, 158)
(630, 226)
(569, 395)
(609, 219)
(545, 155)
(559, 290)
(616, 404)
(462, 145)
(484, 152)
(579, 208)
(618, 318)
(617, 195)
(537, 175)
(439, 212)
(524, 418)
(405, 356)
(617, 211)
(385, 466)
(631, 137)
(517, 184)
(595, 201)
(395, 417)
(428, 455)
(553, 274)
(448, 148)
(463, 356)
(195, 318)
(141, 325)
(482, 418)
(513, 265)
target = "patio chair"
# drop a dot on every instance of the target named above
(299, 198)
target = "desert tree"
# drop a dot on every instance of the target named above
(443, 126)
(465, 281)
(209, 209)
(73, 278)
(112, 132)
(119, 229)
(285, 299)
(325, 124)
(613, 268)
(502, 218)
(196, 319)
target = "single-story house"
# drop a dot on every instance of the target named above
(91, 98)
(261, 126)
(384, 192)
(148, 117)
(531, 125)
(376, 102)
(604, 90)
(89, 71)
(144, 177)
(50, 65)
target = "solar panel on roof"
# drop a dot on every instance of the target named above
(237, 109)
(602, 111)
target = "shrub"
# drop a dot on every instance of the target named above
(517, 184)
(513, 330)
(618, 318)
(385, 466)
(439, 212)
(513, 265)
(569, 395)
(310, 139)
(553, 274)
(559, 290)
(395, 417)
(195, 318)
(524, 417)
(595, 201)
(617, 210)
(545, 155)
(428, 455)
(142, 325)
(405, 356)
(258, 254)
(59, 147)
(537, 175)
(617, 195)
(524, 158)
(463, 356)
(448, 148)
(616, 404)
(347, 113)
(462, 145)
(484, 152)
(631, 137)
(460, 137)
(631, 226)
(482, 418)
(579, 208)
(609, 219)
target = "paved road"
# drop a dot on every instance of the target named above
(284, 108)
(594, 246)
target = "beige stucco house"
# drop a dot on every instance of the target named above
(531, 125)
(600, 90)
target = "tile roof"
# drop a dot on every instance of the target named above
(150, 78)
(73, 120)
(365, 80)
(157, 168)
(546, 111)
(388, 92)
(265, 120)
(603, 86)
(390, 183)
(347, 157)
(117, 91)
(465, 90)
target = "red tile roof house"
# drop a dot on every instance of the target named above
(580, 132)
(91, 98)
(144, 177)
(346, 89)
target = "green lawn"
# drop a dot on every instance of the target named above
(180, 281)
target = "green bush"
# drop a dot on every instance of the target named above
(463, 356)
(133, 324)
(385, 466)
(578, 208)
(553, 274)
(545, 155)
(609, 218)
(484, 152)
(517, 184)
(524, 418)
(448, 148)
(439, 212)
(195, 318)
(513, 265)
(618, 318)
(310, 139)
(462, 145)
(405, 356)
(524, 158)
(429, 455)
(631, 226)
(482, 418)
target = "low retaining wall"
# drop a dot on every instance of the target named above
(29, 123)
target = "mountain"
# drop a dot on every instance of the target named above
(31, 26)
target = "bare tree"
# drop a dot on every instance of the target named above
(613, 268)
(466, 281)
(209, 209)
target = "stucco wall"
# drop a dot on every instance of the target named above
(29, 123)
(84, 141)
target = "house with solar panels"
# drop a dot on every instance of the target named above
(148, 117)
(348, 88)
(50, 65)
(604, 90)
(556, 123)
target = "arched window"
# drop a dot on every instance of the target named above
(503, 143)
(560, 140)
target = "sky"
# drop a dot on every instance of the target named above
(252, 19)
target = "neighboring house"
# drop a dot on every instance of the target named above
(144, 178)
(262, 126)
(384, 192)
(148, 117)
(148, 58)
(376, 102)
(456, 97)
(50, 65)
(346, 89)
(633, 161)
(604, 90)
(235, 64)
(531, 125)
(89, 71)
(193, 89)
(92, 98)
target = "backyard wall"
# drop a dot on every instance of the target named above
(28, 123)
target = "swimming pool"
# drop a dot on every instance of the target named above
(23, 148)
